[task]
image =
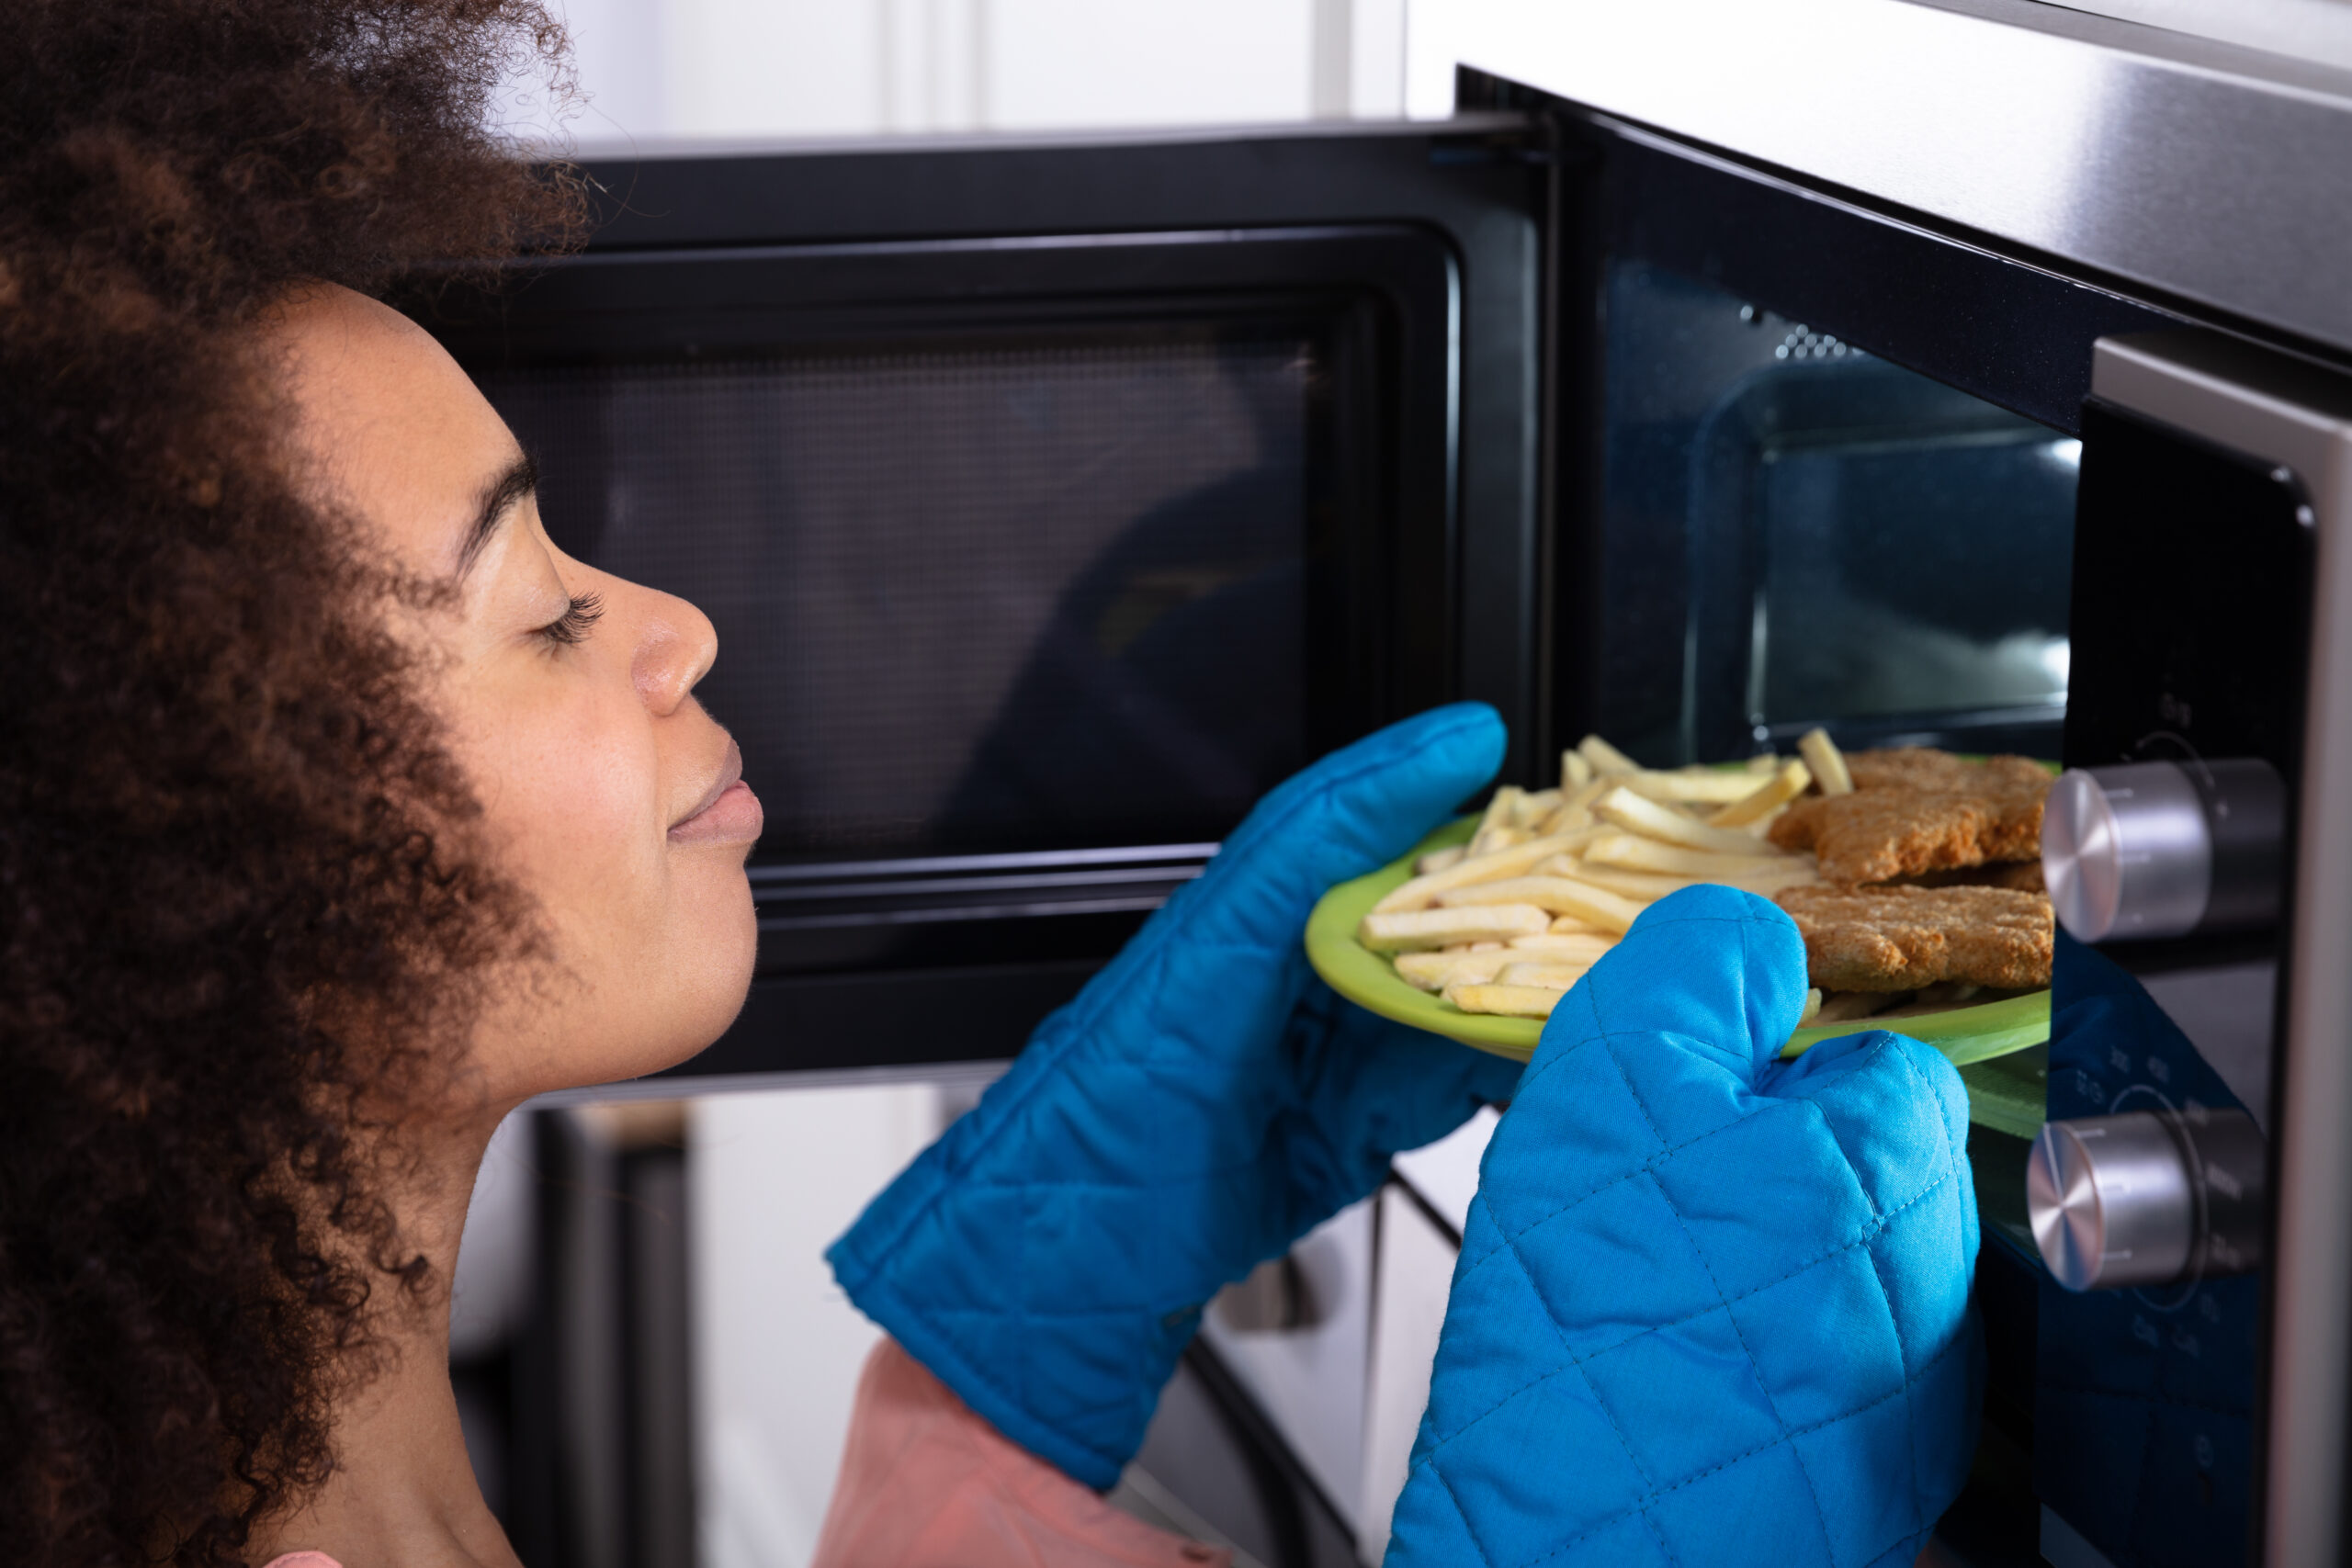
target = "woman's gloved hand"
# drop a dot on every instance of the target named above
(1202, 1104)
(1710, 1307)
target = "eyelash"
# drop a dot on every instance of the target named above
(572, 626)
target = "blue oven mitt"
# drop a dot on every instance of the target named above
(1710, 1307)
(1202, 1104)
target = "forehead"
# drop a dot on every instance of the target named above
(386, 424)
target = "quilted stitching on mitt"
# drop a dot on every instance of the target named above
(1711, 1308)
(1200, 1105)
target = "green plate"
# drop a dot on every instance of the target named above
(1965, 1035)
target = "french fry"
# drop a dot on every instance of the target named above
(1491, 840)
(1702, 787)
(1519, 1001)
(1438, 860)
(1569, 925)
(1536, 971)
(1631, 852)
(1436, 971)
(1502, 808)
(1764, 763)
(1495, 830)
(1642, 886)
(1504, 890)
(1828, 764)
(1557, 895)
(1783, 786)
(1634, 814)
(1580, 945)
(1595, 906)
(1568, 815)
(1575, 772)
(1407, 931)
(1531, 807)
(1605, 757)
(1844, 1007)
(1422, 891)
(1575, 806)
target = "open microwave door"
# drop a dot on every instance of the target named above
(1052, 503)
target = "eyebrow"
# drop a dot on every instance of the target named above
(517, 480)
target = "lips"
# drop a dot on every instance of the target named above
(728, 813)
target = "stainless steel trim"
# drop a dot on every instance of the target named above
(2215, 175)
(2319, 30)
(2283, 412)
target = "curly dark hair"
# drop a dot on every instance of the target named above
(238, 885)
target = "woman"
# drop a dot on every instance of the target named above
(340, 812)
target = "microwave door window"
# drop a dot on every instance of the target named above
(1797, 532)
(990, 599)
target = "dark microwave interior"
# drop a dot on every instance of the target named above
(1797, 532)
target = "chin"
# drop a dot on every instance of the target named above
(705, 992)
(659, 1032)
(653, 1004)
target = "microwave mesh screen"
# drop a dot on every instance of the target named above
(1011, 597)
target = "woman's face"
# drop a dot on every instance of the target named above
(608, 793)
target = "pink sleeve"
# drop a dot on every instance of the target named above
(927, 1483)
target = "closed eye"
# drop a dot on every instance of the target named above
(579, 617)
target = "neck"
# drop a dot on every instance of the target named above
(403, 1493)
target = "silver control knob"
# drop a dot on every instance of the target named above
(2146, 849)
(2147, 1197)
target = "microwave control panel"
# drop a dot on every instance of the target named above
(2167, 846)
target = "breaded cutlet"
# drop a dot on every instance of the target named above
(1899, 939)
(2021, 876)
(1922, 811)
(1924, 767)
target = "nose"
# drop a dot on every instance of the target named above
(675, 645)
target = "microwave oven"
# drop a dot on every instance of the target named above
(1974, 373)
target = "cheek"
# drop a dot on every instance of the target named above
(570, 789)
(656, 941)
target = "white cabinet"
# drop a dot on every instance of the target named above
(659, 71)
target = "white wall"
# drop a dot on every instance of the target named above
(656, 70)
(773, 1179)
